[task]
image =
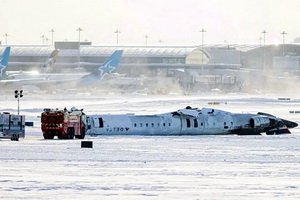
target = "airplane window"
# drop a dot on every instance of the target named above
(157, 124)
(188, 123)
(146, 124)
(134, 124)
(152, 124)
(195, 123)
(164, 124)
(201, 124)
(141, 125)
(169, 124)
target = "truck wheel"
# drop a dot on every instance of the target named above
(82, 134)
(71, 136)
(70, 133)
(14, 137)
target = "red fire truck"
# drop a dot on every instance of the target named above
(65, 124)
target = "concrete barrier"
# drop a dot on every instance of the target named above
(86, 144)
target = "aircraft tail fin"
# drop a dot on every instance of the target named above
(48, 66)
(4, 62)
(109, 65)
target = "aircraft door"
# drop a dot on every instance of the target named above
(201, 125)
(88, 119)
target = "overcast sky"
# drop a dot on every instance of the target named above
(175, 22)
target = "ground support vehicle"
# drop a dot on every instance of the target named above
(12, 126)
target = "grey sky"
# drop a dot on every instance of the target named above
(175, 22)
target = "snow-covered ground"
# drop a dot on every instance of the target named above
(154, 167)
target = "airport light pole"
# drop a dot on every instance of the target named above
(202, 31)
(146, 40)
(260, 39)
(264, 62)
(117, 33)
(283, 35)
(18, 95)
(52, 33)
(160, 41)
(79, 30)
(43, 39)
(227, 44)
(5, 35)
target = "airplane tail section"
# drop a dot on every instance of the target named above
(47, 67)
(107, 67)
(4, 62)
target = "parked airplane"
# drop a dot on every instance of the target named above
(188, 121)
(3, 62)
(46, 81)
(47, 67)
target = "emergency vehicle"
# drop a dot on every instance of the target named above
(12, 126)
(65, 124)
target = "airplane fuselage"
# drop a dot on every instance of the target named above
(185, 122)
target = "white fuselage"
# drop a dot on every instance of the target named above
(181, 122)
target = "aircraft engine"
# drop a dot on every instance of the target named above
(259, 122)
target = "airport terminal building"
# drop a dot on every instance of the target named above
(193, 66)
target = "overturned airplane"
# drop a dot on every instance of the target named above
(188, 121)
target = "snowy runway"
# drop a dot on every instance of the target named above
(154, 167)
(211, 167)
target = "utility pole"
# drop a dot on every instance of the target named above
(117, 33)
(202, 31)
(283, 35)
(18, 95)
(79, 30)
(52, 32)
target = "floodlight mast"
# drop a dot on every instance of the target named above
(283, 37)
(117, 32)
(79, 30)
(52, 32)
(264, 64)
(202, 31)
(18, 95)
